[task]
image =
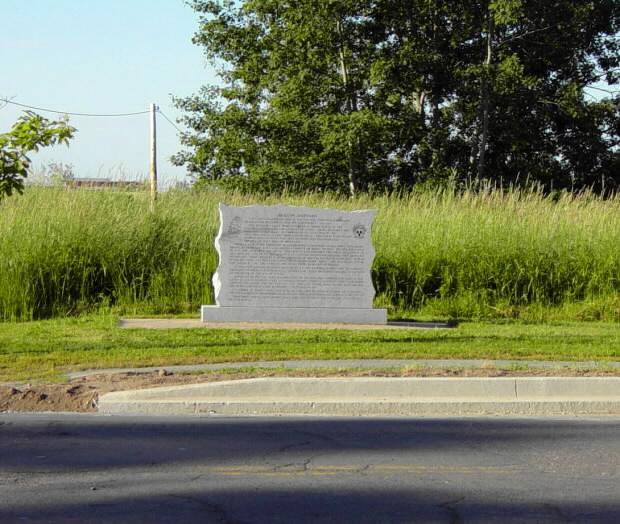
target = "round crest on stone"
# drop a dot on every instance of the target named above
(359, 230)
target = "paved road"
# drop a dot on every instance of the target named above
(88, 468)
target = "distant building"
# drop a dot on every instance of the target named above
(105, 183)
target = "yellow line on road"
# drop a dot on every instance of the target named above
(299, 469)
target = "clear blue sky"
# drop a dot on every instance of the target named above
(92, 56)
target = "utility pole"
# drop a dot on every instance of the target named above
(153, 164)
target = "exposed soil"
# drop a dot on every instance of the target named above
(82, 394)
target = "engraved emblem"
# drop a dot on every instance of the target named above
(359, 231)
(235, 226)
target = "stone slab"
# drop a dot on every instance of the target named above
(293, 314)
(294, 257)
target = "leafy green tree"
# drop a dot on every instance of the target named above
(353, 94)
(526, 107)
(28, 134)
(295, 111)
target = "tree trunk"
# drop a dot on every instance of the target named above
(420, 100)
(351, 105)
(485, 100)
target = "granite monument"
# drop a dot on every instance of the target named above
(294, 264)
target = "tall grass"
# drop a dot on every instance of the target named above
(473, 254)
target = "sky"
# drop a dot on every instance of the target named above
(94, 56)
(90, 56)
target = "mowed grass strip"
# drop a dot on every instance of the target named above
(44, 350)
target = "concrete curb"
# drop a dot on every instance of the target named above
(548, 396)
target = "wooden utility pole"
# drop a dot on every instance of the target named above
(153, 164)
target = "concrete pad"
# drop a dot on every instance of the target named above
(377, 396)
(191, 323)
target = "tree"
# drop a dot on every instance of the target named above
(295, 111)
(531, 116)
(28, 134)
(348, 95)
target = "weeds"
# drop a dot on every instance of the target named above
(483, 254)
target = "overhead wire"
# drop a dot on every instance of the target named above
(168, 119)
(610, 91)
(73, 113)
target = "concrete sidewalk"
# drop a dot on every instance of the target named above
(359, 364)
(374, 396)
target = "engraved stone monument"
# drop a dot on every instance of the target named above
(294, 264)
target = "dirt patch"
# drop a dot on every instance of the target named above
(81, 394)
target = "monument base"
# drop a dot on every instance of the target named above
(308, 315)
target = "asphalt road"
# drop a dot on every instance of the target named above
(88, 468)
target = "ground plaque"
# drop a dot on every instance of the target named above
(293, 264)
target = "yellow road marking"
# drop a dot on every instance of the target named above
(378, 469)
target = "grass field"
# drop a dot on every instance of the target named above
(42, 350)
(472, 255)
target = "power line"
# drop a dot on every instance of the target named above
(170, 121)
(72, 113)
(611, 92)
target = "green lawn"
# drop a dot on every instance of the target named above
(43, 350)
